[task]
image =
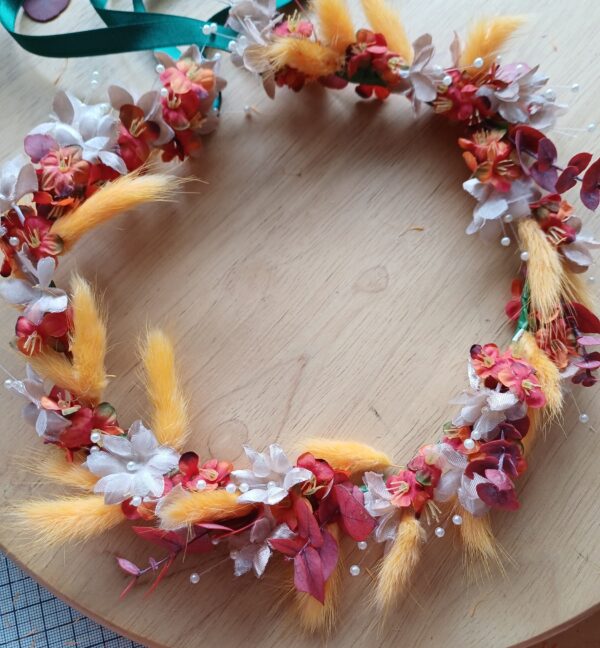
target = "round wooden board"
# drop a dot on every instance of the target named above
(320, 283)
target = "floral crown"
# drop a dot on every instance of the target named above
(92, 162)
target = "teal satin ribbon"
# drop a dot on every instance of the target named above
(126, 31)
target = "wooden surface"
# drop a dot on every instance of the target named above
(320, 283)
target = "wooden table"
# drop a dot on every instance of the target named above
(319, 282)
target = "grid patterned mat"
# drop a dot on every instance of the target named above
(31, 617)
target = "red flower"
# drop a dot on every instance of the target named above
(499, 492)
(487, 360)
(294, 26)
(52, 332)
(136, 136)
(290, 77)
(459, 101)
(489, 156)
(33, 232)
(214, 473)
(513, 307)
(189, 76)
(521, 379)
(407, 491)
(63, 171)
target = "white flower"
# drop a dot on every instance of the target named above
(34, 292)
(521, 100)
(378, 502)
(251, 549)
(47, 423)
(93, 127)
(485, 408)
(270, 477)
(131, 466)
(452, 465)
(421, 76)
(17, 179)
(149, 103)
(493, 204)
(577, 253)
(468, 497)
(254, 21)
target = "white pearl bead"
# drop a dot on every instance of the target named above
(440, 532)
(591, 127)
(505, 241)
(499, 59)
(94, 449)
(457, 520)
(524, 256)
(508, 218)
(447, 80)
(200, 484)
(362, 545)
(231, 45)
(160, 68)
(475, 435)
(469, 444)
(575, 87)
(271, 484)
(550, 94)
(519, 67)
(95, 437)
(194, 578)
(136, 501)
(438, 69)
(591, 279)
(131, 466)
(584, 418)
(164, 92)
(244, 488)
(95, 73)
(213, 28)
(94, 82)
(247, 109)
(206, 30)
(404, 73)
(478, 62)
(8, 383)
(355, 570)
(14, 241)
(231, 488)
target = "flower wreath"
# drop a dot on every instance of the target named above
(91, 162)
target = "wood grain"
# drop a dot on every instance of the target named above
(319, 282)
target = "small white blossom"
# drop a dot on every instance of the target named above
(34, 293)
(421, 76)
(17, 179)
(131, 465)
(270, 477)
(378, 502)
(92, 127)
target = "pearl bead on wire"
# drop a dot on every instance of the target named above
(524, 256)
(160, 68)
(8, 383)
(194, 578)
(14, 241)
(231, 45)
(231, 488)
(575, 87)
(244, 488)
(355, 570)
(478, 62)
(447, 80)
(584, 418)
(136, 501)
(201, 484)
(131, 466)
(508, 218)
(469, 444)
(362, 545)
(505, 241)
(457, 519)
(440, 532)
(95, 437)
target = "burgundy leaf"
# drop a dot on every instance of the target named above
(496, 498)
(526, 143)
(567, 179)
(329, 554)
(168, 540)
(589, 340)
(588, 364)
(128, 567)
(546, 154)
(38, 146)
(354, 517)
(586, 321)
(545, 177)
(308, 527)
(44, 10)
(308, 573)
(288, 546)
(212, 526)
(199, 544)
(590, 194)
(580, 161)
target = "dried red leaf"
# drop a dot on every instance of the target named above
(290, 547)
(128, 588)
(354, 517)
(308, 527)
(44, 10)
(168, 540)
(586, 321)
(329, 554)
(161, 575)
(546, 154)
(567, 179)
(590, 193)
(580, 161)
(308, 573)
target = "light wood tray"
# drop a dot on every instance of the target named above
(320, 283)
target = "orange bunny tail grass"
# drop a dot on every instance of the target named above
(180, 508)
(481, 549)
(52, 464)
(88, 342)
(535, 425)
(335, 24)
(547, 372)
(396, 567)
(577, 290)
(56, 368)
(384, 20)
(487, 38)
(545, 272)
(317, 618)
(68, 519)
(310, 57)
(114, 198)
(347, 455)
(169, 407)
